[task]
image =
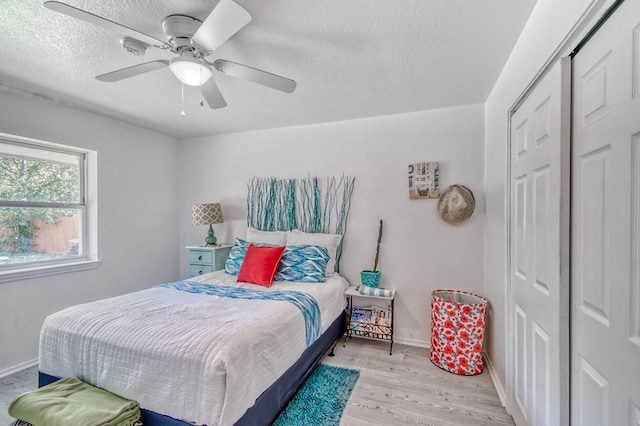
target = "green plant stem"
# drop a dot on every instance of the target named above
(375, 262)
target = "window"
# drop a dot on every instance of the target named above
(43, 205)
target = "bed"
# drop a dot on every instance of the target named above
(189, 357)
(215, 349)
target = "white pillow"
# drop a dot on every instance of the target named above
(278, 238)
(329, 241)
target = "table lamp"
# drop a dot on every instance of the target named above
(207, 214)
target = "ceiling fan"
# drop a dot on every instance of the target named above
(192, 40)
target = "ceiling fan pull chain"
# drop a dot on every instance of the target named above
(184, 114)
(201, 95)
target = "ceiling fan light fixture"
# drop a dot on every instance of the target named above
(190, 70)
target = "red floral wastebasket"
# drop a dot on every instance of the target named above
(457, 330)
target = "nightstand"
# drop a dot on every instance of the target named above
(203, 260)
(373, 321)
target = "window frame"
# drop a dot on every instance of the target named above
(87, 205)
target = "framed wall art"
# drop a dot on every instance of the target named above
(423, 180)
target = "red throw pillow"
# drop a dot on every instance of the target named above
(260, 265)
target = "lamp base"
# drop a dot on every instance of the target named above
(211, 239)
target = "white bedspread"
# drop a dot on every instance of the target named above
(200, 358)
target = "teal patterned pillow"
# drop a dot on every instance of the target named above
(237, 254)
(304, 263)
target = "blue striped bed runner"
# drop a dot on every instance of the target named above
(307, 304)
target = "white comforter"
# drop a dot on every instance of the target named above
(195, 357)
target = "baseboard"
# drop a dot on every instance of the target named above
(19, 367)
(494, 378)
(412, 342)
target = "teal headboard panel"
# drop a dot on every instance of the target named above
(309, 204)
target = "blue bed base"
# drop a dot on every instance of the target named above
(275, 398)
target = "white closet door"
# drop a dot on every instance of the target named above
(605, 312)
(538, 382)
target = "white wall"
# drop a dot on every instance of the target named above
(137, 234)
(419, 253)
(549, 24)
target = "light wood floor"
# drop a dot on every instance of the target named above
(402, 389)
(407, 389)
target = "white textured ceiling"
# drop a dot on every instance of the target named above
(350, 58)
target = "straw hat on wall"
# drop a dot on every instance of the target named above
(456, 204)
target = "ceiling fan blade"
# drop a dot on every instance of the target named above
(246, 72)
(212, 94)
(103, 22)
(226, 19)
(123, 73)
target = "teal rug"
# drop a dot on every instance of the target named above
(322, 398)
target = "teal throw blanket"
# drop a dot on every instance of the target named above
(307, 304)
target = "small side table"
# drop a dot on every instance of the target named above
(205, 259)
(373, 322)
